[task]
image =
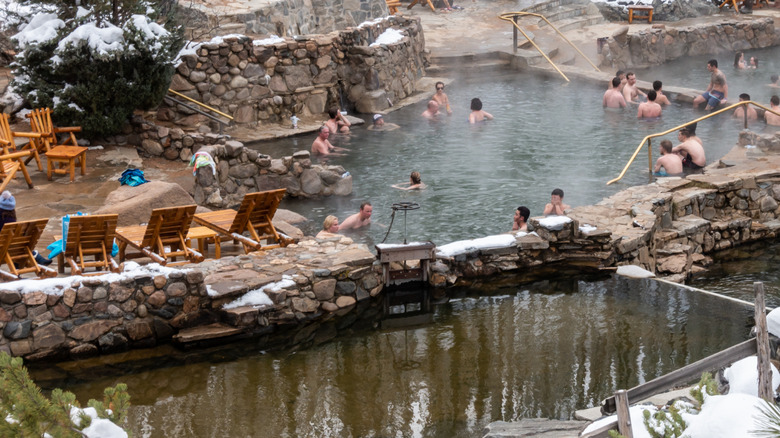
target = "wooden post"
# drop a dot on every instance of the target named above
(624, 416)
(765, 390)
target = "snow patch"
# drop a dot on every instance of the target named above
(42, 27)
(390, 36)
(273, 39)
(554, 223)
(632, 271)
(743, 376)
(732, 416)
(103, 40)
(637, 421)
(464, 246)
(773, 321)
(258, 297)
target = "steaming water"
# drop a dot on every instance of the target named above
(525, 351)
(546, 134)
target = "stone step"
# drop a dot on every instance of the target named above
(487, 65)
(240, 316)
(206, 332)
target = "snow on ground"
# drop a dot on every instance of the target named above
(743, 376)
(637, 421)
(56, 286)
(726, 416)
(398, 245)
(632, 271)
(191, 48)
(389, 36)
(464, 246)
(99, 427)
(773, 321)
(554, 223)
(258, 297)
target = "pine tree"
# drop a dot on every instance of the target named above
(105, 61)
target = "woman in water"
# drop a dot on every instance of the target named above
(415, 183)
(739, 61)
(329, 228)
(477, 114)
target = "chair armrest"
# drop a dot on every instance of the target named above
(15, 155)
(67, 129)
(26, 134)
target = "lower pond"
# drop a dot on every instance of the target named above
(511, 352)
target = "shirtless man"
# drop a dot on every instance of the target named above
(337, 122)
(775, 81)
(660, 98)
(717, 92)
(441, 98)
(380, 125)
(477, 113)
(630, 91)
(669, 161)
(772, 119)
(739, 113)
(556, 205)
(691, 151)
(613, 98)
(649, 109)
(359, 219)
(321, 146)
(520, 222)
(432, 112)
(622, 76)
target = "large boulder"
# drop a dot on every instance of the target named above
(134, 205)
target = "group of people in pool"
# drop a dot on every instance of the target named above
(555, 207)
(440, 100)
(689, 154)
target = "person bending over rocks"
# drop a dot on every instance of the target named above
(691, 151)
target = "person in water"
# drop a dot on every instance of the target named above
(650, 109)
(431, 111)
(717, 92)
(668, 163)
(322, 146)
(660, 97)
(691, 151)
(520, 222)
(441, 98)
(415, 183)
(613, 98)
(359, 219)
(477, 113)
(739, 113)
(556, 207)
(330, 226)
(381, 125)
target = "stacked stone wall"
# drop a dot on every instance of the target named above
(302, 76)
(663, 44)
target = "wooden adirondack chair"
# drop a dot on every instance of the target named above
(163, 238)
(40, 122)
(89, 236)
(7, 139)
(254, 217)
(17, 242)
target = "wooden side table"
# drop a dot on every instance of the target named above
(640, 13)
(203, 235)
(65, 158)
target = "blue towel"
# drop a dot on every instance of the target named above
(132, 178)
(55, 248)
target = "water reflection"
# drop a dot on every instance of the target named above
(542, 350)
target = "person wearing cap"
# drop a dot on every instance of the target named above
(8, 215)
(380, 125)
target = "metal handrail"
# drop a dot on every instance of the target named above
(201, 104)
(512, 18)
(668, 131)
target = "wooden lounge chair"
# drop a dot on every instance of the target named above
(17, 242)
(254, 216)
(40, 122)
(89, 236)
(7, 138)
(10, 163)
(163, 238)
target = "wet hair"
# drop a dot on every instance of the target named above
(525, 213)
(744, 96)
(363, 205)
(775, 100)
(657, 85)
(666, 145)
(415, 177)
(713, 63)
(619, 72)
(651, 95)
(557, 192)
(323, 128)
(615, 82)
(685, 132)
(333, 112)
(630, 74)
(476, 104)
(439, 83)
(774, 78)
(692, 128)
(328, 222)
(736, 58)
(433, 104)
(754, 60)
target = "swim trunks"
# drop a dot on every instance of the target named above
(712, 97)
(687, 162)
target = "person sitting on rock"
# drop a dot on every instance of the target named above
(520, 222)
(330, 228)
(668, 163)
(556, 207)
(691, 151)
(337, 122)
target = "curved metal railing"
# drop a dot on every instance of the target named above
(668, 131)
(512, 18)
(199, 111)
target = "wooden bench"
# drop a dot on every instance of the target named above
(640, 13)
(66, 155)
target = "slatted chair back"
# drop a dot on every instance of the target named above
(256, 213)
(91, 236)
(17, 243)
(41, 122)
(168, 228)
(8, 140)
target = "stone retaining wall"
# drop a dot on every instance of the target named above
(659, 45)
(302, 76)
(240, 170)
